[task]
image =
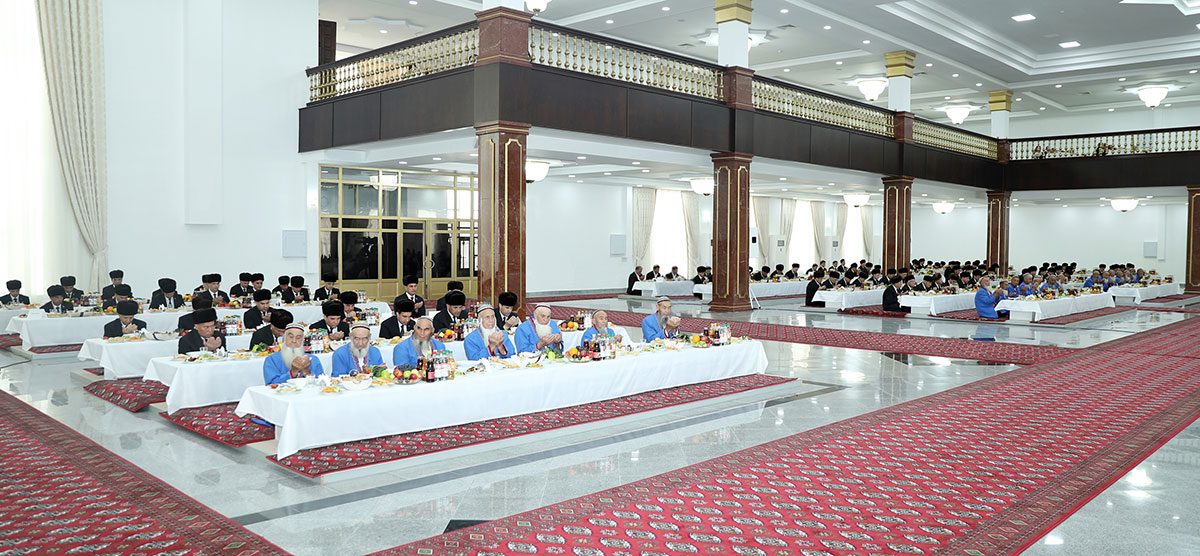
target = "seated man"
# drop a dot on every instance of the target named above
(910, 284)
(762, 274)
(14, 296)
(506, 313)
(270, 334)
(877, 278)
(986, 301)
(74, 295)
(260, 313)
(296, 292)
(283, 285)
(600, 327)
(58, 302)
(120, 293)
(794, 273)
(401, 322)
(454, 311)
(125, 323)
(326, 291)
(660, 323)
(166, 297)
(815, 285)
(359, 355)
(778, 272)
(488, 340)
(212, 289)
(118, 278)
(453, 286)
(700, 277)
(334, 327)
(634, 277)
(891, 298)
(256, 282)
(673, 275)
(836, 279)
(654, 274)
(185, 320)
(243, 287)
(204, 335)
(349, 302)
(410, 293)
(290, 361)
(539, 332)
(1026, 286)
(418, 346)
(1011, 289)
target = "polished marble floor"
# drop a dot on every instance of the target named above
(1152, 510)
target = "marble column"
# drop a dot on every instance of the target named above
(1000, 103)
(502, 210)
(733, 32)
(997, 232)
(897, 221)
(731, 232)
(1192, 279)
(899, 76)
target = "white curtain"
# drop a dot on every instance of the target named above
(643, 222)
(691, 231)
(73, 52)
(840, 228)
(762, 219)
(868, 230)
(802, 249)
(787, 217)
(818, 221)
(41, 241)
(852, 249)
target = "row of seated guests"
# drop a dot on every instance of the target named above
(703, 276)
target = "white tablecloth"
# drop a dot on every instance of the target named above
(761, 289)
(7, 314)
(939, 304)
(1050, 308)
(678, 288)
(129, 359)
(40, 330)
(309, 419)
(1147, 292)
(856, 298)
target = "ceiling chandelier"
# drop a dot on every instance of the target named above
(536, 170)
(1152, 95)
(537, 6)
(872, 87)
(856, 199)
(943, 207)
(703, 186)
(1124, 205)
(958, 113)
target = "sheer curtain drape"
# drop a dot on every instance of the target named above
(818, 220)
(787, 217)
(73, 54)
(868, 229)
(762, 217)
(643, 222)
(691, 231)
(839, 223)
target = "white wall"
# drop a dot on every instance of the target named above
(1093, 235)
(1124, 119)
(958, 236)
(567, 236)
(204, 173)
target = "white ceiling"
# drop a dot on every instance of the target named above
(1138, 40)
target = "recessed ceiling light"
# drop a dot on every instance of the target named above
(786, 70)
(570, 175)
(831, 183)
(608, 21)
(867, 42)
(881, 189)
(954, 75)
(929, 65)
(1057, 199)
(608, 173)
(782, 179)
(784, 189)
(839, 62)
(924, 194)
(412, 2)
(1149, 196)
(578, 181)
(666, 8)
(384, 31)
(437, 158)
(979, 84)
(1023, 17)
(1018, 99)
(960, 198)
(638, 185)
(820, 188)
(435, 170)
(635, 163)
(403, 162)
(581, 158)
(645, 171)
(827, 27)
(1193, 71)
(1111, 109)
(1064, 206)
(1167, 104)
(1058, 86)
(1121, 79)
(1042, 108)
(945, 98)
(475, 154)
(783, 11)
(1069, 44)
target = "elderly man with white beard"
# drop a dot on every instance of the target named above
(488, 340)
(660, 324)
(359, 355)
(290, 361)
(539, 332)
(419, 345)
(600, 328)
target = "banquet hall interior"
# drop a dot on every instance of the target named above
(822, 277)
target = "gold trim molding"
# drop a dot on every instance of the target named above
(733, 10)
(1000, 100)
(900, 63)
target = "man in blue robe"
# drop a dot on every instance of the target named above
(488, 340)
(1094, 281)
(290, 361)
(600, 327)
(419, 345)
(359, 355)
(986, 301)
(539, 332)
(660, 324)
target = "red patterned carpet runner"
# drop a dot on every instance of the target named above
(954, 348)
(219, 423)
(873, 312)
(130, 393)
(98, 371)
(580, 297)
(969, 314)
(61, 493)
(984, 469)
(56, 349)
(9, 340)
(319, 461)
(1172, 298)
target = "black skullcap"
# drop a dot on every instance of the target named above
(403, 305)
(123, 290)
(127, 307)
(281, 318)
(245, 277)
(410, 279)
(454, 285)
(456, 298)
(257, 276)
(329, 278)
(204, 315)
(201, 302)
(333, 309)
(262, 295)
(116, 274)
(52, 291)
(211, 278)
(166, 285)
(283, 280)
(67, 281)
(508, 299)
(348, 297)
(13, 284)
(297, 281)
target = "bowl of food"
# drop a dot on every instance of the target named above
(164, 336)
(298, 382)
(356, 384)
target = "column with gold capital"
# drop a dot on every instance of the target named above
(731, 232)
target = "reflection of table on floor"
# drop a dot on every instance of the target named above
(309, 419)
(1022, 310)
(1144, 293)
(760, 289)
(845, 299)
(938, 304)
(678, 288)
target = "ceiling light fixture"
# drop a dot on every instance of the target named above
(1023, 17)
(943, 207)
(1152, 95)
(1068, 44)
(866, 42)
(666, 8)
(1121, 79)
(958, 113)
(536, 170)
(872, 87)
(839, 62)
(827, 27)
(1058, 86)
(929, 65)
(1124, 205)
(608, 21)
(384, 31)
(786, 70)
(856, 199)
(954, 75)
(1192, 72)
(537, 6)
(783, 11)
(703, 186)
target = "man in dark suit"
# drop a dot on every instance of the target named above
(125, 323)
(283, 285)
(401, 322)
(296, 293)
(204, 335)
(256, 282)
(410, 293)
(166, 297)
(456, 303)
(270, 334)
(817, 283)
(634, 277)
(891, 298)
(14, 294)
(334, 325)
(506, 313)
(74, 295)
(212, 290)
(653, 274)
(326, 291)
(451, 287)
(58, 302)
(261, 311)
(118, 278)
(243, 287)
(120, 293)
(198, 304)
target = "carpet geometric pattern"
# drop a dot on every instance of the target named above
(9, 340)
(319, 461)
(98, 371)
(219, 423)
(984, 469)
(955, 348)
(61, 493)
(872, 311)
(56, 349)
(131, 394)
